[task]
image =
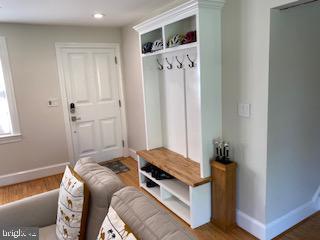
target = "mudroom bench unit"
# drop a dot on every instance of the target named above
(181, 79)
(187, 195)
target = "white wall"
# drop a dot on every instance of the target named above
(33, 63)
(294, 110)
(246, 40)
(133, 88)
(245, 79)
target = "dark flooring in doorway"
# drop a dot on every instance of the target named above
(116, 166)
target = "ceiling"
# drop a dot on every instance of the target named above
(77, 12)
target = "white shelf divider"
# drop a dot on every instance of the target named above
(178, 207)
(173, 49)
(154, 191)
(168, 198)
(173, 186)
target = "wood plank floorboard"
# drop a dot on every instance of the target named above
(306, 230)
(21, 190)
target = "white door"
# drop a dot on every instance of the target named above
(92, 88)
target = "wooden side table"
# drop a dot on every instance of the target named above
(224, 195)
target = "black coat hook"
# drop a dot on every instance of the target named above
(192, 65)
(170, 64)
(160, 65)
(180, 63)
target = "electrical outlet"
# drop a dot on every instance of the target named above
(244, 110)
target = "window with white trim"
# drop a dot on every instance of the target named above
(9, 123)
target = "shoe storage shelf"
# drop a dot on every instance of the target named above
(185, 194)
(182, 100)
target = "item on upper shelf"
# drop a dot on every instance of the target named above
(222, 151)
(190, 37)
(158, 174)
(146, 48)
(147, 168)
(150, 184)
(176, 40)
(155, 172)
(157, 45)
(163, 175)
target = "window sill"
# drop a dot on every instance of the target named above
(10, 138)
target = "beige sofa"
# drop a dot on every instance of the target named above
(145, 217)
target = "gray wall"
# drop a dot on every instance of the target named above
(294, 109)
(33, 63)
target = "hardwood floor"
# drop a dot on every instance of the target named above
(21, 190)
(307, 230)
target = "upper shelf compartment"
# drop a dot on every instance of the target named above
(181, 32)
(171, 37)
(152, 42)
(177, 36)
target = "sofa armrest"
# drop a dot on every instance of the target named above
(146, 218)
(35, 211)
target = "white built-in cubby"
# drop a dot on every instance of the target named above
(189, 201)
(152, 36)
(182, 95)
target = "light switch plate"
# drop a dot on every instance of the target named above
(53, 102)
(244, 110)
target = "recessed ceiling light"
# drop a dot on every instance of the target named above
(98, 15)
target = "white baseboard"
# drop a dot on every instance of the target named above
(251, 225)
(318, 204)
(292, 218)
(280, 225)
(133, 154)
(316, 196)
(28, 175)
(316, 199)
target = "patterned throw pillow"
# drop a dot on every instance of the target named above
(114, 228)
(72, 207)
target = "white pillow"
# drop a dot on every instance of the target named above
(114, 228)
(72, 207)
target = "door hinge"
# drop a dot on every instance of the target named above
(119, 103)
(122, 143)
(116, 59)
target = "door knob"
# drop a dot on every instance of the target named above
(74, 118)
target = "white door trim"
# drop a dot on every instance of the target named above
(64, 101)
